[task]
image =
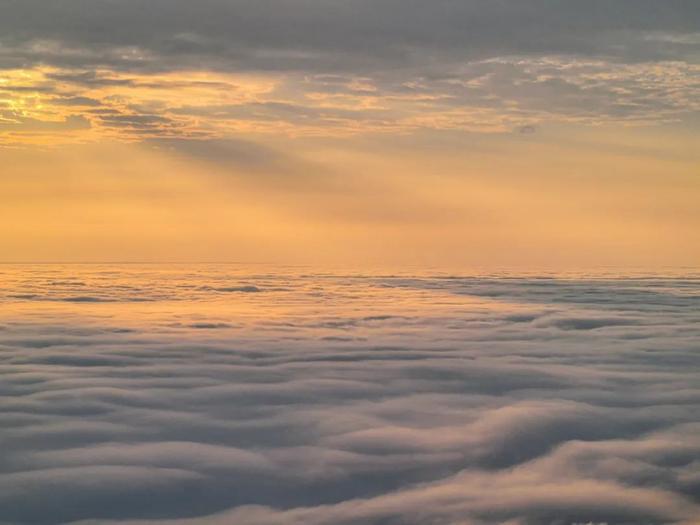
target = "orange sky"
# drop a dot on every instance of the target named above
(588, 197)
(537, 158)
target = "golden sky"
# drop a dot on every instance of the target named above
(336, 133)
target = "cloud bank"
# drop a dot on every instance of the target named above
(331, 399)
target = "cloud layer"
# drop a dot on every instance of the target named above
(323, 35)
(176, 395)
(133, 69)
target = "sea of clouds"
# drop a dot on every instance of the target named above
(224, 395)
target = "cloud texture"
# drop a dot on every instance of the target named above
(134, 69)
(175, 395)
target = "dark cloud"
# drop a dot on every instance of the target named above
(594, 323)
(85, 299)
(209, 326)
(77, 101)
(226, 152)
(337, 35)
(349, 67)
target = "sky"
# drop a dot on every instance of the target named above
(529, 133)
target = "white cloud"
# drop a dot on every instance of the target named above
(459, 400)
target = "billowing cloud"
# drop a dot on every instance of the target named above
(345, 399)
